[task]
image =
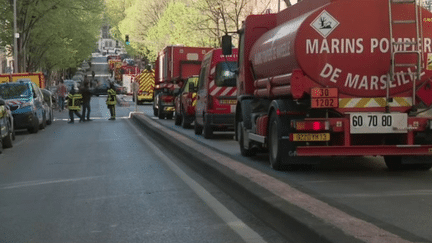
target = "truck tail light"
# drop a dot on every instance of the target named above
(310, 125)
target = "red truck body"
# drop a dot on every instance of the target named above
(173, 66)
(322, 79)
(217, 93)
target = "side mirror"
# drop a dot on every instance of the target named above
(226, 45)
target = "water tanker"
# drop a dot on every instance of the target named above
(337, 78)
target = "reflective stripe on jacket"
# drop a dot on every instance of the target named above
(74, 102)
(112, 100)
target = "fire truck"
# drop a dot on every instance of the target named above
(217, 93)
(145, 82)
(37, 78)
(173, 66)
(336, 78)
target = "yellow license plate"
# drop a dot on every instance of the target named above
(169, 108)
(228, 102)
(311, 137)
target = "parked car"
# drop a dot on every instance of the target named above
(70, 83)
(25, 100)
(48, 105)
(119, 89)
(100, 89)
(7, 131)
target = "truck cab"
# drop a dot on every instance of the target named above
(217, 93)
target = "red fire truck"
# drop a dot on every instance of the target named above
(322, 79)
(173, 66)
(217, 93)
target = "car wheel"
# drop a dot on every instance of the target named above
(44, 123)
(7, 141)
(35, 127)
(49, 121)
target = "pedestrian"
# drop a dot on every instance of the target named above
(111, 100)
(86, 96)
(61, 93)
(74, 105)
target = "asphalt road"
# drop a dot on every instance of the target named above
(106, 181)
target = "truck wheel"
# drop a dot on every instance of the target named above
(277, 152)
(161, 115)
(246, 152)
(184, 123)
(155, 112)
(208, 131)
(394, 163)
(198, 129)
(35, 127)
(177, 118)
(1, 146)
(169, 116)
(7, 141)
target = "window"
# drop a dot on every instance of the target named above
(225, 75)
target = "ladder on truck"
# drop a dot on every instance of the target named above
(397, 48)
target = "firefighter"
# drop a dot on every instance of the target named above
(74, 105)
(111, 101)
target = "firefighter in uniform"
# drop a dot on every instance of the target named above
(111, 101)
(74, 105)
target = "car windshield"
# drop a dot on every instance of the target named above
(225, 76)
(14, 91)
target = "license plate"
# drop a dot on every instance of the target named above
(228, 102)
(378, 122)
(311, 137)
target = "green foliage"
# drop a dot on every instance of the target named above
(53, 34)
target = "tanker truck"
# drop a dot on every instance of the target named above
(173, 66)
(336, 78)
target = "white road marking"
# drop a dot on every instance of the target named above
(37, 183)
(244, 231)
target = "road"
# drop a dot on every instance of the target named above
(106, 181)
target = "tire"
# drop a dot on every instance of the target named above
(35, 127)
(246, 152)
(44, 123)
(155, 112)
(169, 116)
(277, 152)
(394, 163)
(184, 123)
(208, 131)
(49, 122)
(1, 146)
(198, 129)
(7, 141)
(161, 115)
(177, 119)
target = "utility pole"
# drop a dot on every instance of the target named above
(16, 36)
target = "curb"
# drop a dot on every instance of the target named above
(291, 221)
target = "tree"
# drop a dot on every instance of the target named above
(52, 31)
